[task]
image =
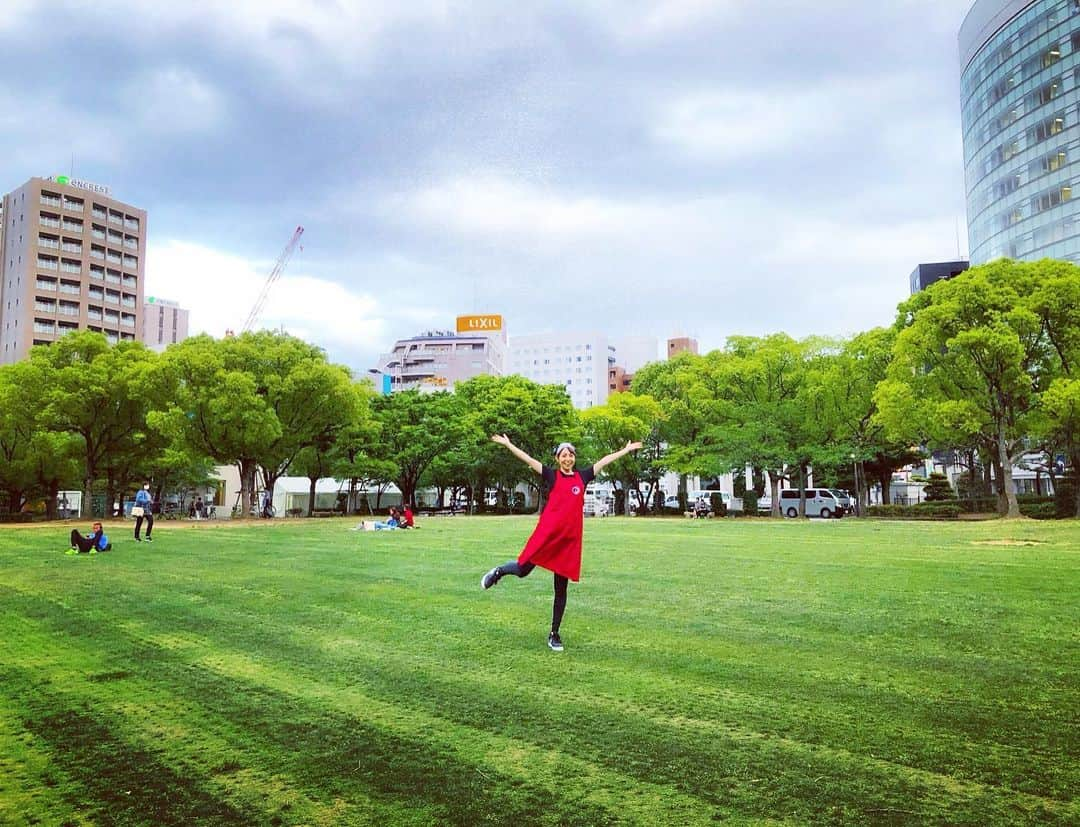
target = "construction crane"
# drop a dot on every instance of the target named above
(275, 274)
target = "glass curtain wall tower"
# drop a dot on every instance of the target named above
(1020, 87)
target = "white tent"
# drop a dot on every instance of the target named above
(291, 495)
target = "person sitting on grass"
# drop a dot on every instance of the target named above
(90, 543)
(405, 517)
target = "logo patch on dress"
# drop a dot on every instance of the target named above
(575, 490)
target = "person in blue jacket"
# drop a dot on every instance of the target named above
(144, 501)
(91, 543)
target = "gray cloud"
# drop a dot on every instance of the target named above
(645, 167)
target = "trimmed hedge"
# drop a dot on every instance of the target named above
(949, 510)
(16, 517)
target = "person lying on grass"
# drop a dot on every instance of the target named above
(555, 543)
(90, 543)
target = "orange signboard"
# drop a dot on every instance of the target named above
(479, 324)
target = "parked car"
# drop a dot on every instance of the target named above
(820, 502)
(671, 501)
(845, 499)
(764, 504)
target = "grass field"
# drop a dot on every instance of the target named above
(753, 671)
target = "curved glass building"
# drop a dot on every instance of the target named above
(1020, 88)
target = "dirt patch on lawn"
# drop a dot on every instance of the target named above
(1007, 542)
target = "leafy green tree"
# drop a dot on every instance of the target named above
(217, 408)
(95, 390)
(416, 428)
(626, 417)
(971, 354)
(536, 418)
(938, 488)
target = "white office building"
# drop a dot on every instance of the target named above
(577, 361)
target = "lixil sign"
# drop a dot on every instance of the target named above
(479, 324)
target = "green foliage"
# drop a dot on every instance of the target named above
(921, 511)
(938, 488)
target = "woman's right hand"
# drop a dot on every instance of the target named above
(501, 439)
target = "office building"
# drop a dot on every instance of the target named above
(73, 258)
(438, 359)
(926, 274)
(1020, 69)
(164, 323)
(577, 361)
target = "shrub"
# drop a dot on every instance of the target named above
(1039, 511)
(1065, 495)
(938, 488)
(16, 517)
(749, 502)
(922, 511)
(716, 503)
(978, 505)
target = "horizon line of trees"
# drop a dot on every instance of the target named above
(983, 366)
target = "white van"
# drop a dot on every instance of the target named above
(820, 502)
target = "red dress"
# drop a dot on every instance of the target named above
(555, 544)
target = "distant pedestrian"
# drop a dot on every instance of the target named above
(555, 543)
(144, 510)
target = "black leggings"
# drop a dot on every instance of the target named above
(559, 606)
(149, 524)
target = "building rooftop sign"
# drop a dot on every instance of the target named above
(100, 189)
(489, 323)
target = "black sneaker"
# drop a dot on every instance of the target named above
(138, 539)
(149, 539)
(555, 642)
(491, 578)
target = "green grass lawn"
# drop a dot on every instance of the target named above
(753, 671)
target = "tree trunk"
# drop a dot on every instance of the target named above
(246, 467)
(885, 481)
(1012, 506)
(50, 501)
(311, 496)
(802, 489)
(774, 488)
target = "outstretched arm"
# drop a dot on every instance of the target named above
(610, 458)
(503, 439)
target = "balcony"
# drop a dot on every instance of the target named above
(44, 306)
(71, 247)
(70, 288)
(131, 224)
(73, 226)
(97, 252)
(48, 243)
(117, 219)
(48, 263)
(49, 221)
(71, 205)
(47, 285)
(50, 201)
(69, 309)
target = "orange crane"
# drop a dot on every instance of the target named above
(275, 274)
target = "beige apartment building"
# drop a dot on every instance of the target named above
(73, 258)
(164, 323)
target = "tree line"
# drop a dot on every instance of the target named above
(983, 366)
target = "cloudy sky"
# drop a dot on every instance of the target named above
(648, 167)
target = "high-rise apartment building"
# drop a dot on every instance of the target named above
(1020, 90)
(577, 361)
(164, 323)
(73, 258)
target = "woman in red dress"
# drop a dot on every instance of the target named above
(555, 543)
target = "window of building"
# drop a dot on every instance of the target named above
(1046, 129)
(1045, 93)
(1051, 198)
(73, 204)
(1048, 163)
